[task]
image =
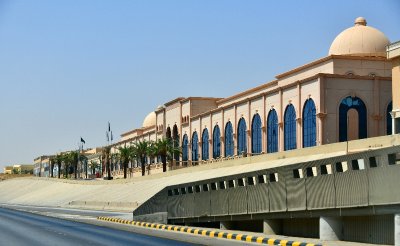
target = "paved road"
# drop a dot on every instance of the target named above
(20, 228)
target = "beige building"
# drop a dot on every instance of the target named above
(41, 166)
(344, 96)
(393, 54)
(94, 162)
(19, 168)
(8, 170)
(23, 168)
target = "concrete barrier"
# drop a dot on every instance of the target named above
(209, 233)
(100, 205)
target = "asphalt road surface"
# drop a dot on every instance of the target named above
(20, 228)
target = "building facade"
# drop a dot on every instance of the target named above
(393, 54)
(344, 96)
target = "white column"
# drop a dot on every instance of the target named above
(330, 228)
(225, 225)
(397, 229)
(272, 227)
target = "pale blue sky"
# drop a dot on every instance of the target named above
(69, 67)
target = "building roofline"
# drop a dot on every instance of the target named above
(173, 101)
(202, 98)
(327, 58)
(246, 92)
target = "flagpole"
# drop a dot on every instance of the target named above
(109, 137)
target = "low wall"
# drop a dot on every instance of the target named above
(99, 205)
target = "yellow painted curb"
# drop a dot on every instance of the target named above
(219, 234)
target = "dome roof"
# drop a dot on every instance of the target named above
(360, 40)
(150, 120)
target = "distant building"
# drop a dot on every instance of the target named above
(42, 166)
(94, 163)
(19, 169)
(8, 170)
(23, 168)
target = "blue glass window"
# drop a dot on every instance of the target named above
(309, 124)
(357, 104)
(290, 128)
(272, 131)
(216, 142)
(389, 119)
(185, 148)
(256, 137)
(195, 147)
(175, 140)
(229, 139)
(242, 143)
(204, 145)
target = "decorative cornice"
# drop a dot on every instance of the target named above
(322, 115)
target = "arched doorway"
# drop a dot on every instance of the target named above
(229, 146)
(168, 133)
(216, 142)
(309, 124)
(204, 145)
(290, 128)
(195, 147)
(242, 143)
(175, 141)
(352, 130)
(272, 131)
(256, 137)
(356, 119)
(185, 148)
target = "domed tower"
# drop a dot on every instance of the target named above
(150, 120)
(360, 40)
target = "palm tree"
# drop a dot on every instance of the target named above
(93, 165)
(115, 158)
(83, 159)
(58, 161)
(140, 149)
(61, 159)
(106, 160)
(73, 157)
(52, 162)
(166, 151)
(152, 151)
(67, 164)
(125, 155)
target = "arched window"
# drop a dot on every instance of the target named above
(347, 118)
(195, 147)
(242, 145)
(290, 128)
(168, 133)
(229, 139)
(175, 142)
(272, 131)
(185, 148)
(389, 119)
(204, 145)
(256, 137)
(216, 142)
(309, 124)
